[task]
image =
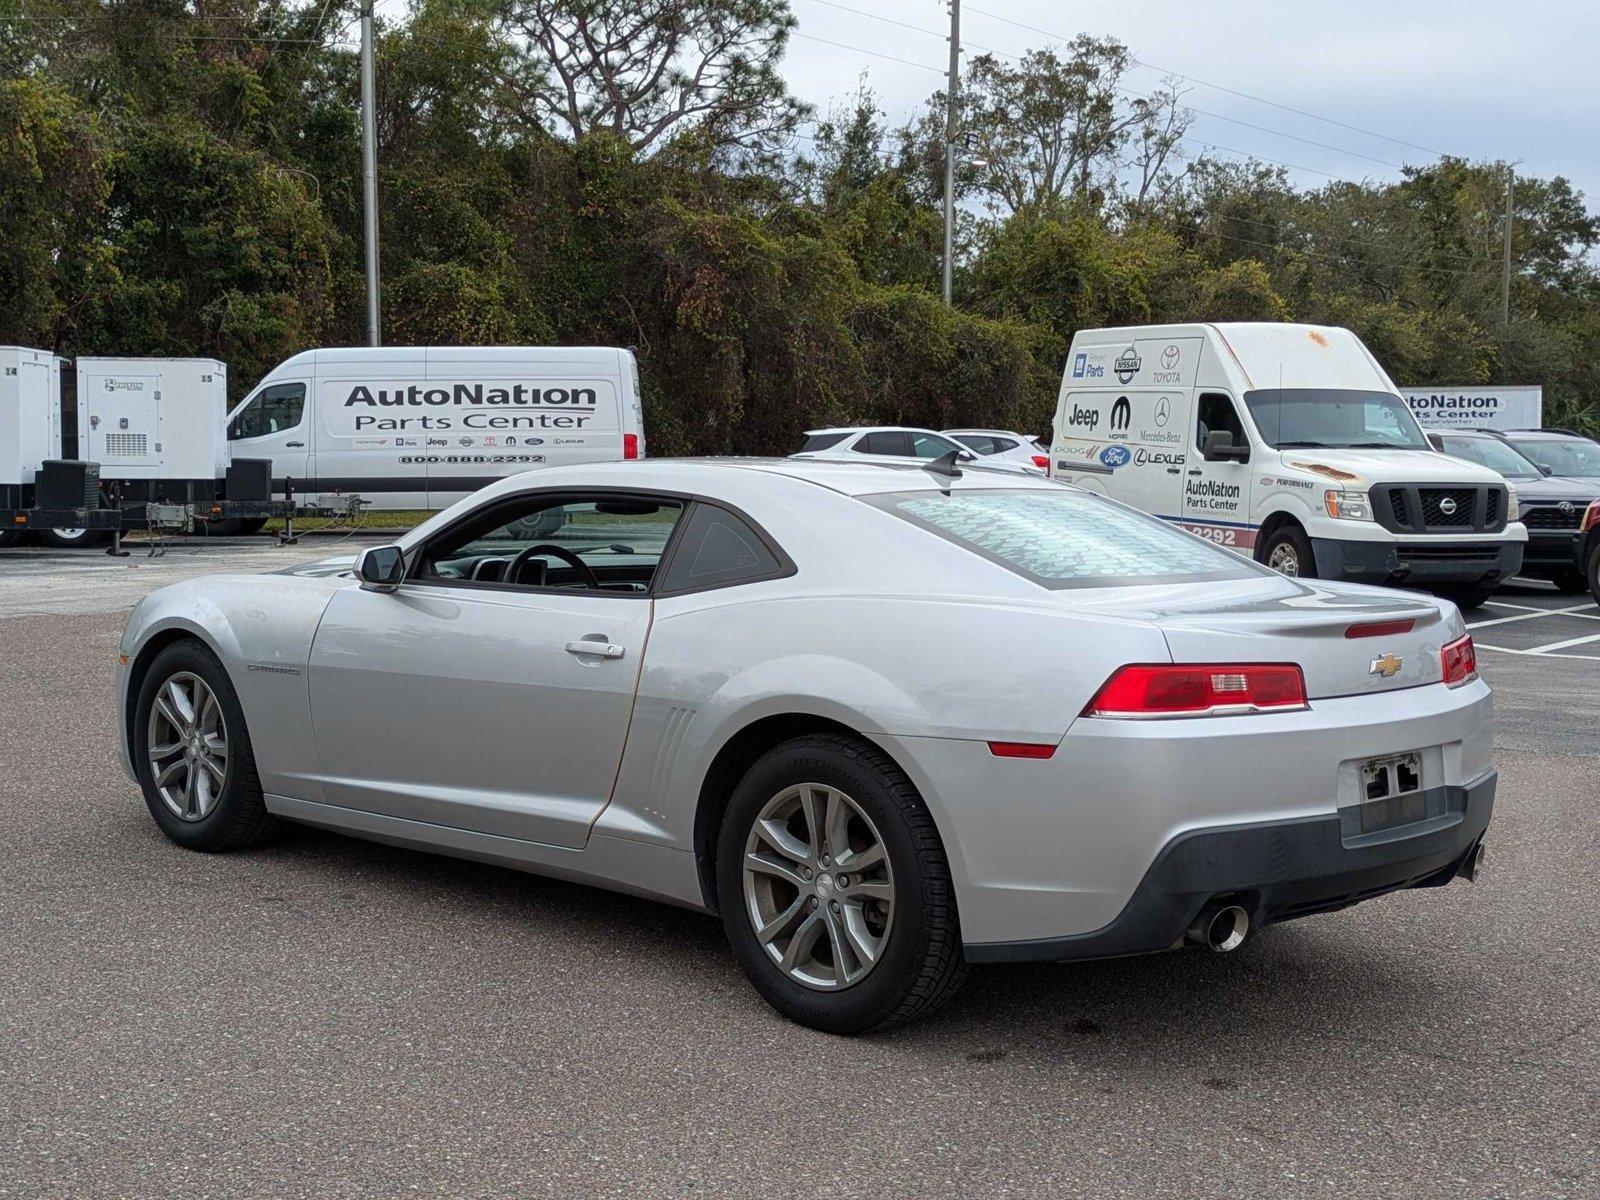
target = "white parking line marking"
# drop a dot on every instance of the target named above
(1476, 645)
(1532, 613)
(1577, 641)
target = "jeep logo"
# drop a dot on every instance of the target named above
(1088, 418)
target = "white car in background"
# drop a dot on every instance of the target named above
(738, 685)
(996, 446)
(889, 443)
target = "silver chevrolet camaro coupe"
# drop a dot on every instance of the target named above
(770, 690)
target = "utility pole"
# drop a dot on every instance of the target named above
(951, 116)
(1505, 260)
(369, 173)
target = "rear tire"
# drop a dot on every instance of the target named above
(252, 526)
(1287, 550)
(72, 539)
(9, 537)
(223, 527)
(191, 737)
(1570, 581)
(1468, 596)
(899, 905)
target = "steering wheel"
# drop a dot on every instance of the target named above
(514, 571)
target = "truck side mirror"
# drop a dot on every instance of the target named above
(1543, 470)
(381, 568)
(1219, 447)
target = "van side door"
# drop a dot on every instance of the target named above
(274, 423)
(1216, 494)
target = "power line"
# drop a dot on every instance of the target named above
(860, 50)
(1221, 88)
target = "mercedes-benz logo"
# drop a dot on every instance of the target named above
(1447, 506)
(1163, 411)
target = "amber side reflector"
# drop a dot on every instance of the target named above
(1021, 749)
(123, 659)
(1379, 629)
(19, 519)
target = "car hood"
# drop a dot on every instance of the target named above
(1550, 489)
(1314, 623)
(343, 564)
(1362, 468)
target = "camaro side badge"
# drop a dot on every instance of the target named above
(1386, 665)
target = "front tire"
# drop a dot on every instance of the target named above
(1468, 596)
(1570, 581)
(192, 753)
(1287, 550)
(71, 539)
(835, 890)
(1592, 568)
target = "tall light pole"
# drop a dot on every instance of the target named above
(369, 173)
(1505, 254)
(951, 117)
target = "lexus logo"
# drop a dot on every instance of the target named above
(1447, 506)
(1387, 665)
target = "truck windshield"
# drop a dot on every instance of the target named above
(1489, 452)
(1330, 418)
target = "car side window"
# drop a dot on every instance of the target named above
(1001, 445)
(718, 548)
(927, 445)
(273, 410)
(1216, 411)
(594, 543)
(977, 442)
(884, 441)
(822, 441)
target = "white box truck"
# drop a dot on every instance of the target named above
(1288, 442)
(26, 398)
(421, 427)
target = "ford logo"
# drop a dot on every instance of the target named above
(1115, 456)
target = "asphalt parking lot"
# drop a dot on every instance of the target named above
(327, 1017)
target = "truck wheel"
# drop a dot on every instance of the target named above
(192, 755)
(1468, 596)
(834, 888)
(252, 526)
(71, 539)
(225, 527)
(1570, 581)
(9, 537)
(1287, 550)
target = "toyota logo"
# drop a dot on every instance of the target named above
(1447, 506)
(1566, 508)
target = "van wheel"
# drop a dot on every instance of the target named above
(1468, 596)
(835, 890)
(71, 539)
(1287, 551)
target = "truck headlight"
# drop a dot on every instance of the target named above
(1513, 511)
(1347, 506)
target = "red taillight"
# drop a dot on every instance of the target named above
(630, 445)
(1022, 749)
(1459, 660)
(1379, 629)
(1198, 689)
(1591, 516)
(1041, 461)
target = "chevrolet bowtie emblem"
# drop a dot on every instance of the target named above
(1386, 665)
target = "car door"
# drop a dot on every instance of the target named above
(1216, 495)
(470, 700)
(273, 424)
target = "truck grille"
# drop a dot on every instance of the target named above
(1418, 508)
(1552, 517)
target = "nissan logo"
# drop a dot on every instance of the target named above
(1447, 506)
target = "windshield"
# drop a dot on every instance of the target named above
(1490, 452)
(1564, 456)
(1065, 539)
(1330, 418)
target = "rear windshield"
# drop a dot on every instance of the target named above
(1333, 418)
(1066, 539)
(1564, 456)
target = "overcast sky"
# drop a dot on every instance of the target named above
(1472, 78)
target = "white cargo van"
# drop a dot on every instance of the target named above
(421, 427)
(1288, 442)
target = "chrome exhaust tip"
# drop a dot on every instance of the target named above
(1221, 927)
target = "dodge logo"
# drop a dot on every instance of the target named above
(1387, 665)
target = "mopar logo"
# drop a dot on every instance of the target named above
(1121, 413)
(1115, 456)
(1089, 418)
(1127, 365)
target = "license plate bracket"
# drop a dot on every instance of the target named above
(1391, 792)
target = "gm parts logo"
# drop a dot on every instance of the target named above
(1127, 365)
(1115, 456)
(1082, 368)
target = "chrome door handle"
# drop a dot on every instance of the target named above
(598, 649)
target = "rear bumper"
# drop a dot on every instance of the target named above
(1420, 562)
(1277, 870)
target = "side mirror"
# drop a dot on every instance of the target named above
(1546, 471)
(381, 568)
(966, 456)
(1219, 447)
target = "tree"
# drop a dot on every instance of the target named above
(645, 70)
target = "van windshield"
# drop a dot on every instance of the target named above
(1334, 418)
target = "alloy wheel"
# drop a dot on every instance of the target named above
(188, 746)
(818, 886)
